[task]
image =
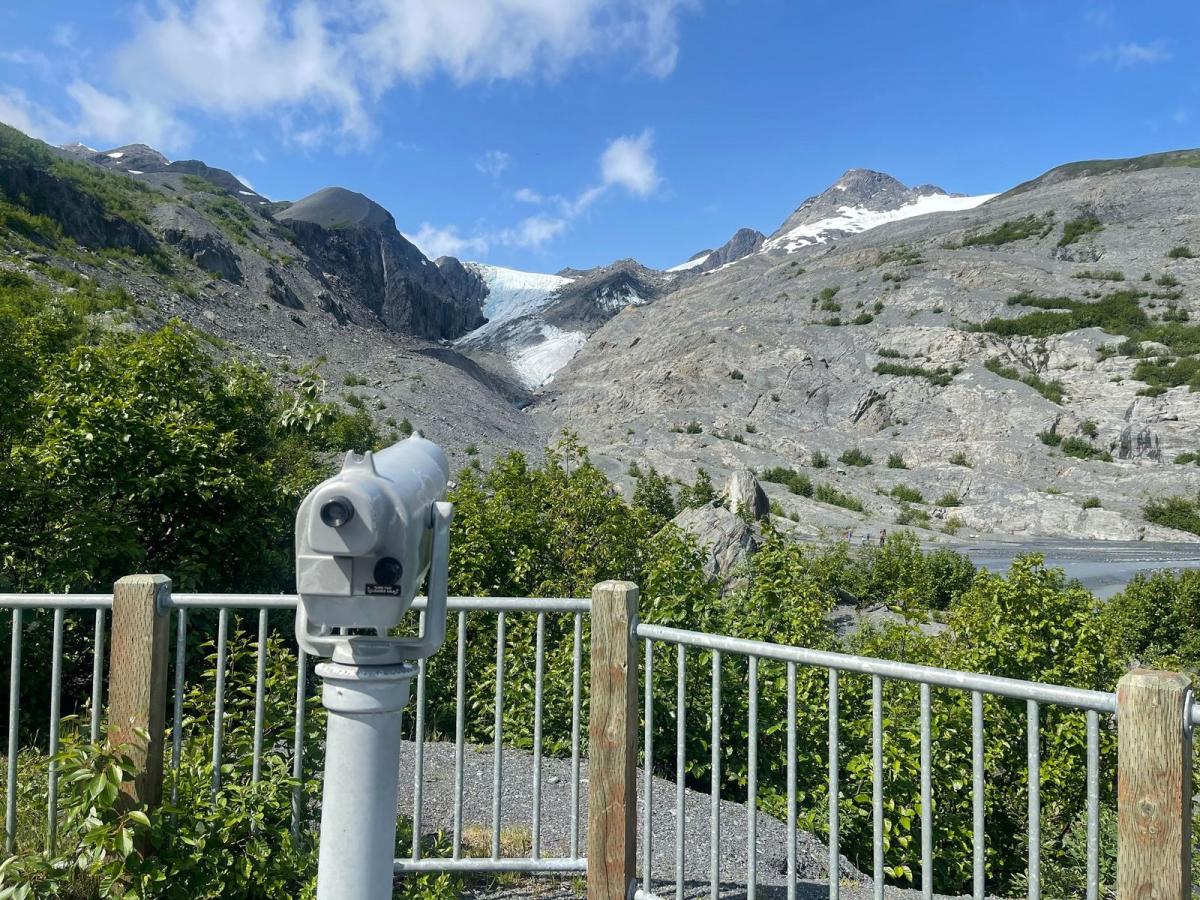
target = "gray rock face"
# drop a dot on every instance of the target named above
(465, 283)
(890, 367)
(727, 540)
(744, 242)
(746, 494)
(208, 251)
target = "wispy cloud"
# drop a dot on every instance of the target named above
(626, 163)
(1131, 54)
(319, 70)
(493, 162)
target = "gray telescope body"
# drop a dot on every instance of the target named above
(364, 542)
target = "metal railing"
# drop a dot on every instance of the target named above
(1035, 695)
(502, 607)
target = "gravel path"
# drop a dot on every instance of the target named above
(516, 816)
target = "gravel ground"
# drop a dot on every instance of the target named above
(516, 816)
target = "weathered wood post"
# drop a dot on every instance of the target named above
(612, 737)
(1154, 794)
(137, 680)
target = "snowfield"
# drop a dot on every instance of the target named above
(690, 264)
(856, 219)
(512, 294)
(536, 364)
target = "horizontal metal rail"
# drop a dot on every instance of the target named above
(1077, 698)
(99, 605)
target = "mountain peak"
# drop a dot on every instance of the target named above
(338, 207)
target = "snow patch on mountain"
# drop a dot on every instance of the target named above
(856, 219)
(690, 264)
(512, 294)
(535, 364)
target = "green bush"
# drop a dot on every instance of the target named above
(700, 493)
(1100, 275)
(940, 376)
(1074, 229)
(1180, 252)
(653, 494)
(1090, 503)
(896, 461)
(1012, 230)
(1050, 437)
(854, 457)
(794, 481)
(906, 494)
(827, 493)
(960, 458)
(911, 515)
(948, 499)
(1181, 513)
(819, 460)
(1081, 449)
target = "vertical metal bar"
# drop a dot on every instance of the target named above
(648, 772)
(498, 728)
(752, 784)
(791, 781)
(1093, 805)
(1033, 748)
(538, 678)
(260, 696)
(460, 726)
(978, 844)
(298, 743)
(419, 755)
(177, 700)
(680, 765)
(55, 715)
(97, 677)
(14, 721)
(877, 782)
(714, 826)
(835, 866)
(576, 715)
(219, 703)
(926, 796)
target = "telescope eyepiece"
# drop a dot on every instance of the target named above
(337, 511)
(388, 571)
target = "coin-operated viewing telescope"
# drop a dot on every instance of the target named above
(365, 541)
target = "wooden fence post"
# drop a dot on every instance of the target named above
(137, 680)
(1154, 796)
(612, 737)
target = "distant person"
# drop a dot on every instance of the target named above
(882, 536)
(866, 538)
(849, 535)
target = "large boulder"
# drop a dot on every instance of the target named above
(746, 495)
(727, 540)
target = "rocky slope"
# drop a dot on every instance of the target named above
(866, 341)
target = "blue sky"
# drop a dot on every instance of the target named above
(546, 133)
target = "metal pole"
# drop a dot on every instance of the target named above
(359, 803)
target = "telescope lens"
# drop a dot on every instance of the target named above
(337, 512)
(388, 571)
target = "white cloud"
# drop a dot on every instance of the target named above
(528, 195)
(493, 162)
(627, 162)
(435, 241)
(114, 120)
(533, 233)
(23, 114)
(1131, 54)
(64, 35)
(318, 69)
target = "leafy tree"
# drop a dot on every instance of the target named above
(701, 493)
(653, 494)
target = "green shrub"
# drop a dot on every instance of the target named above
(1012, 230)
(819, 460)
(1167, 373)
(854, 457)
(653, 495)
(827, 493)
(1074, 229)
(1098, 275)
(960, 458)
(1050, 437)
(948, 499)
(1187, 457)
(1089, 428)
(794, 481)
(911, 515)
(896, 461)
(889, 353)
(700, 493)
(1174, 512)
(736, 375)
(405, 427)
(693, 427)
(906, 494)
(1081, 449)
(1090, 503)
(1180, 252)
(940, 376)
(352, 380)
(862, 319)
(1165, 281)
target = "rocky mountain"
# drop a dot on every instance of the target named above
(1018, 367)
(539, 322)
(744, 242)
(1022, 364)
(859, 201)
